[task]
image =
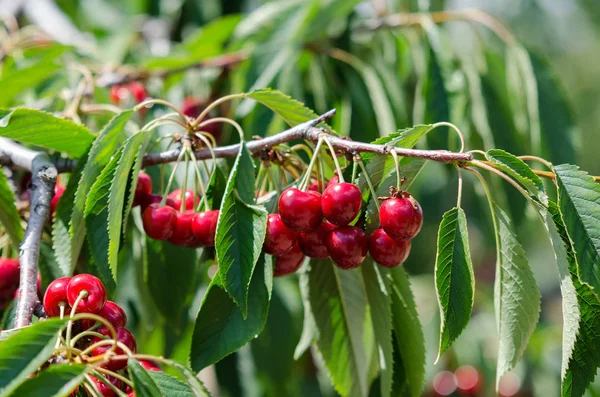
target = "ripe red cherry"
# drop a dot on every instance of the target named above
(146, 201)
(347, 246)
(204, 227)
(300, 211)
(334, 180)
(150, 366)
(341, 203)
(191, 200)
(55, 296)
(112, 312)
(9, 280)
(143, 188)
(58, 192)
(138, 91)
(468, 379)
(118, 93)
(123, 336)
(95, 299)
(401, 218)
(289, 262)
(192, 107)
(105, 389)
(313, 243)
(279, 238)
(386, 251)
(182, 231)
(159, 222)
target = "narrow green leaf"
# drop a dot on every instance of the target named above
(25, 351)
(216, 188)
(143, 385)
(45, 130)
(9, 216)
(15, 82)
(454, 281)
(518, 170)
(309, 328)
(404, 138)
(292, 111)
(58, 380)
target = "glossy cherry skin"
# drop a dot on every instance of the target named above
(96, 293)
(143, 188)
(401, 218)
(341, 203)
(56, 293)
(150, 366)
(182, 231)
(386, 251)
(300, 211)
(123, 336)
(9, 280)
(204, 227)
(289, 262)
(112, 312)
(138, 91)
(104, 388)
(191, 200)
(146, 201)
(347, 246)
(313, 243)
(159, 222)
(58, 192)
(279, 238)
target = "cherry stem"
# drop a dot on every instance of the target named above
(316, 154)
(359, 160)
(455, 128)
(114, 375)
(397, 164)
(226, 120)
(460, 187)
(538, 159)
(84, 334)
(91, 387)
(170, 182)
(185, 180)
(321, 175)
(335, 160)
(153, 101)
(213, 105)
(354, 170)
(200, 183)
(82, 295)
(99, 375)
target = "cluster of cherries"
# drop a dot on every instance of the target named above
(89, 295)
(176, 221)
(299, 229)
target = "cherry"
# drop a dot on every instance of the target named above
(289, 262)
(341, 203)
(192, 107)
(9, 280)
(159, 222)
(191, 201)
(118, 93)
(145, 201)
(111, 312)
(444, 383)
(182, 230)
(313, 243)
(401, 218)
(468, 379)
(142, 189)
(105, 389)
(204, 227)
(300, 211)
(334, 180)
(386, 251)
(55, 296)
(347, 246)
(279, 239)
(58, 192)
(150, 366)
(123, 336)
(138, 91)
(94, 300)
(315, 186)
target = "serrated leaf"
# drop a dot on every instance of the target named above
(240, 230)
(221, 328)
(9, 216)
(292, 111)
(45, 130)
(15, 82)
(404, 138)
(345, 335)
(518, 170)
(516, 296)
(579, 201)
(454, 280)
(410, 341)
(24, 351)
(171, 386)
(309, 328)
(143, 385)
(56, 381)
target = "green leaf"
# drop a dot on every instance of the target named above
(217, 32)
(454, 281)
(410, 341)
(579, 201)
(216, 188)
(221, 328)
(143, 385)
(25, 351)
(345, 335)
(437, 103)
(15, 82)
(404, 138)
(9, 216)
(172, 387)
(516, 296)
(518, 170)
(292, 111)
(45, 130)
(58, 380)
(240, 231)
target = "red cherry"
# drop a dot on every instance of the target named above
(341, 203)
(118, 93)
(401, 218)
(313, 243)
(314, 186)
(444, 383)
(138, 91)
(182, 231)
(468, 379)
(111, 312)
(191, 200)
(300, 211)
(204, 227)
(56, 294)
(9, 280)
(289, 262)
(347, 246)
(106, 389)
(279, 239)
(159, 222)
(142, 189)
(386, 251)
(334, 180)
(123, 336)
(146, 201)
(96, 293)
(150, 366)
(58, 192)
(192, 107)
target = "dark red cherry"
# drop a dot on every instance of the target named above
(142, 189)
(191, 200)
(55, 296)
(401, 218)
(279, 238)
(386, 251)
(58, 192)
(341, 203)
(182, 231)
(159, 222)
(9, 280)
(347, 246)
(105, 389)
(123, 336)
(204, 227)
(112, 312)
(300, 211)
(138, 91)
(289, 262)
(192, 107)
(94, 300)
(313, 243)
(146, 201)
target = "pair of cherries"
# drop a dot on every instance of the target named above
(120, 92)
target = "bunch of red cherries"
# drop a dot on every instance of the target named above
(299, 228)
(176, 221)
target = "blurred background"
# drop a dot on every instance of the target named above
(331, 54)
